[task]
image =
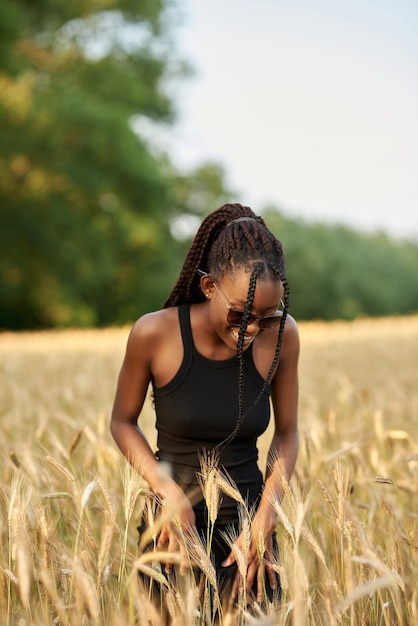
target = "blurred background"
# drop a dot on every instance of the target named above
(124, 122)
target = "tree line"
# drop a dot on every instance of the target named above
(338, 272)
(88, 202)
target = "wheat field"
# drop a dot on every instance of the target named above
(70, 504)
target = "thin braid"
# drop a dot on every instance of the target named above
(240, 354)
(269, 376)
(267, 380)
(187, 287)
(243, 245)
(230, 239)
(183, 289)
(285, 284)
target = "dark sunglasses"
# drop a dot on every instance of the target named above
(235, 316)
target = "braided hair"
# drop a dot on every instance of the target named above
(233, 238)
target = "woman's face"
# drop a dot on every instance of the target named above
(231, 291)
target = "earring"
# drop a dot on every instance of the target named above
(207, 295)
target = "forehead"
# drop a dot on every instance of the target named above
(268, 291)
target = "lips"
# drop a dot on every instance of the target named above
(247, 338)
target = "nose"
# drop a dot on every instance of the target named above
(253, 327)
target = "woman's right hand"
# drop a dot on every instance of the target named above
(178, 522)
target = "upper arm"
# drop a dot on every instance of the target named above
(135, 373)
(284, 385)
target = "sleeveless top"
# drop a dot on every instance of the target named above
(197, 410)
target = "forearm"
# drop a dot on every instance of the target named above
(135, 447)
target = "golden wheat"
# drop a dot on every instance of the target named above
(348, 527)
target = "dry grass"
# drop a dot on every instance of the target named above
(70, 503)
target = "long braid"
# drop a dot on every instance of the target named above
(240, 354)
(267, 381)
(230, 239)
(187, 287)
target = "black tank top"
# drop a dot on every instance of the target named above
(198, 409)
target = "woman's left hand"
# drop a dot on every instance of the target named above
(259, 555)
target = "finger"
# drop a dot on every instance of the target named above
(230, 560)
(260, 583)
(252, 572)
(173, 546)
(184, 562)
(272, 577)
(236, 586)
(163, 538)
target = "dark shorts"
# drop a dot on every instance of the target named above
(220, 549)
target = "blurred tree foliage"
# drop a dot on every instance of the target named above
(85, 199)
(94, 218)
(337, 272)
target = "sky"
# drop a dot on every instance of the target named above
(310, 106)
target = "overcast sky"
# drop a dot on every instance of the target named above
(310, 106)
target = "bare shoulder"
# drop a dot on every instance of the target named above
(155, 345)
(285, 378)
(265, 347)
(155, 324)
(291, 336)
(150, 330)
(291, 327)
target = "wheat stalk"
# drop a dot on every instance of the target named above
(110, 511)
(151, 572)
(346, 569)
(209, 483)
(50, 588)
(24, 574)
(366, 589)
(87, 493)
(85, 594)
(61, 468)
(199, 556)
(133, 488)
(104, 552)
(75, 441)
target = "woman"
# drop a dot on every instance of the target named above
(217, 355)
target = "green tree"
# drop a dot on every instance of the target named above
(84, 198)
(337, 272)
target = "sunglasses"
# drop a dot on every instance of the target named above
(235, 316)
